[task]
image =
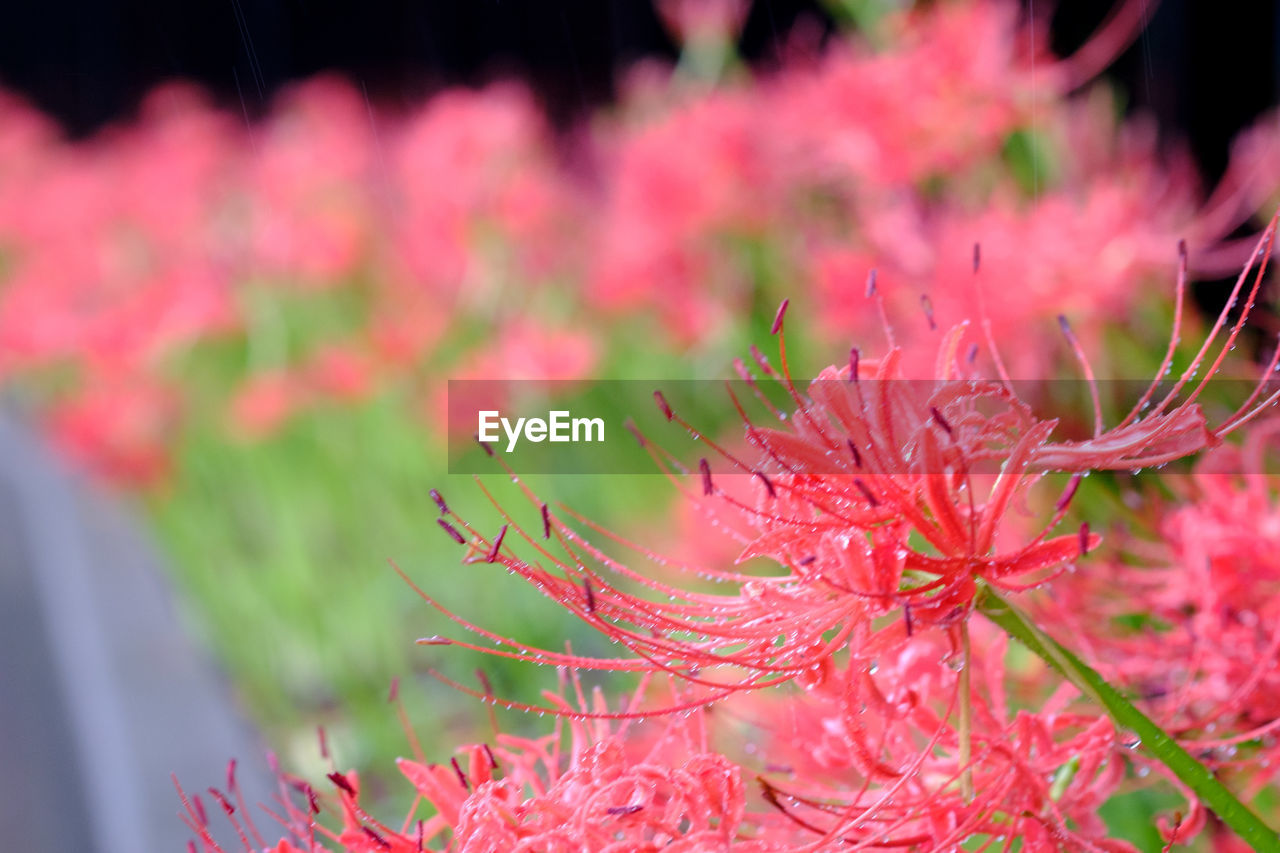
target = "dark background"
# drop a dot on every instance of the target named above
(1204, 68)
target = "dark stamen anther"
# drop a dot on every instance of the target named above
(497, 544)
(705, 467)
(462, 777)
(623, 810)
(854, 357)
(871, 283)
(439, 499)
(546, 522)
(977, 257)
(452, 531)
(222, 801)
(972, 355)
(485, 446)
(377, 839)
(1084, 538)
(940, 420)
(866, 492)
(1069, 492)
(927, 304)
(809, 560)
(313, 799)
(768, 484)
(589, 594)
(777, 318)
(663, 405)
(853, 451)
(906, 616)
(341, 781)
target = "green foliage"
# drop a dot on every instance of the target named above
(283, 547)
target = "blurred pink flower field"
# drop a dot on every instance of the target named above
(822, 658)
(681, 210)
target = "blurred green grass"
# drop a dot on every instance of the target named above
(283, 547)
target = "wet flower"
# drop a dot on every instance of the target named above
(876, 496)
(875, 755)
(661, 789)
(1182, 612)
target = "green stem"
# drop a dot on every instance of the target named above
(1156, 740)
(966, 718)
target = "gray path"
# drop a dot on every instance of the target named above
(101, 694)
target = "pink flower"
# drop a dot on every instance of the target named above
(118, 429)
(341, 373)
(880, 496)
(946, 93)
(475, 180)
(608, 794)
(1184, 614)
(879, 500)
(874, 756)
(265, 402)
(310, 210)
(700, 21)
(526, 351)
(683, 186)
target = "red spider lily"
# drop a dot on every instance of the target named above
(881, 501)
(874, 759)
(1186, 620)
(870, 760)
(659, 790)
(874, 499)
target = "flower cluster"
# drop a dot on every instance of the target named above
(1182, 614)
(864, 684)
